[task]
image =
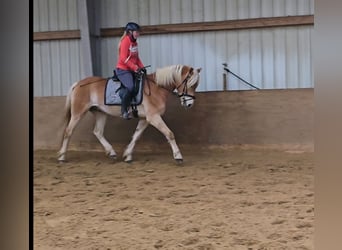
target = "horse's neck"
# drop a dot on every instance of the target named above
(152, 78)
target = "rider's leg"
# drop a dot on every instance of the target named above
(126, 78)
(125, 102)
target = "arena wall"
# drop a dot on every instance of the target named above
(255, 117)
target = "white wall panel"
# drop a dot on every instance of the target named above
(150, 12)
(43, 13)
(37, 70)
(232, 58)
(280, 58)
(267, 8)
(269, 58)
(279, 8)
(187, 12)
(220, 10)
(243, 9)
(108, 55)
(36, 17)
(221, 47)
(255, 59)
(231, 8)
(56, 67)
(46, 69)
(305, 59)
(176, 11)
(197, 9)
(291, 7)
(154, 12)
(254, 8)
(292, 58)
(52, 15)
(165, 12)
(196, 52)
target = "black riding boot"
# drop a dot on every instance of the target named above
(125, 102)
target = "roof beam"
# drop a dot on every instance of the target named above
(252, 23)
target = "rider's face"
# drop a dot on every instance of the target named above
(136, 34)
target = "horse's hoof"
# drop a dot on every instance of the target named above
(127, 158)
(128, 161)
(113, 157)
(61, 157)
(62, 161)
(179, 161)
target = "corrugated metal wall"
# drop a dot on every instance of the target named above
(269, 58)
(56, 63)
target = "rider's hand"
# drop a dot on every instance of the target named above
(141, 71)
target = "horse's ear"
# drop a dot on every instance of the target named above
(199, 70)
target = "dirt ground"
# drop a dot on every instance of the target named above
(232, 198)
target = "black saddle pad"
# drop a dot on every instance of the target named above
(111, 95)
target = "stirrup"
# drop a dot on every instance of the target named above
(126, 116)
(135, 113)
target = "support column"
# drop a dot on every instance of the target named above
(90, 32)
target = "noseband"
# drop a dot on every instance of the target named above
(185, 87)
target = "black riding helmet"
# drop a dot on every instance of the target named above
(132, 26)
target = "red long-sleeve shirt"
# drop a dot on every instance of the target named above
(129, 55)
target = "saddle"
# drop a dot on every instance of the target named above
(114, 85)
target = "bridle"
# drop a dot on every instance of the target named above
(185, 88)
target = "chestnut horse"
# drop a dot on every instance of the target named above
(88, 95)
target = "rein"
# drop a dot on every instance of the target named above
(148, 84)
(184, 91)
(152, 80)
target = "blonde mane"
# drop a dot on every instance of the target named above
(168, 75)
(194, 79)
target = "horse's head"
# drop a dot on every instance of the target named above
(187, 88)
(184, 79)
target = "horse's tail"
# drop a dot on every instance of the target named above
(67, 108)
(67, 112)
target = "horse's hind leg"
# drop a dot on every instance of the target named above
(142, 125)
(66, 137)
(100, 122)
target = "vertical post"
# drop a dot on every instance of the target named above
(225, 82)
(86, 52)
(94, 7)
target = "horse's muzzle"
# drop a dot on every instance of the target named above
(187, 102)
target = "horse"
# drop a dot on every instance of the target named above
(88, 95)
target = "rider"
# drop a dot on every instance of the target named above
(128, 63)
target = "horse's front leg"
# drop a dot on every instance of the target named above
(142, 125)
(159, 123)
